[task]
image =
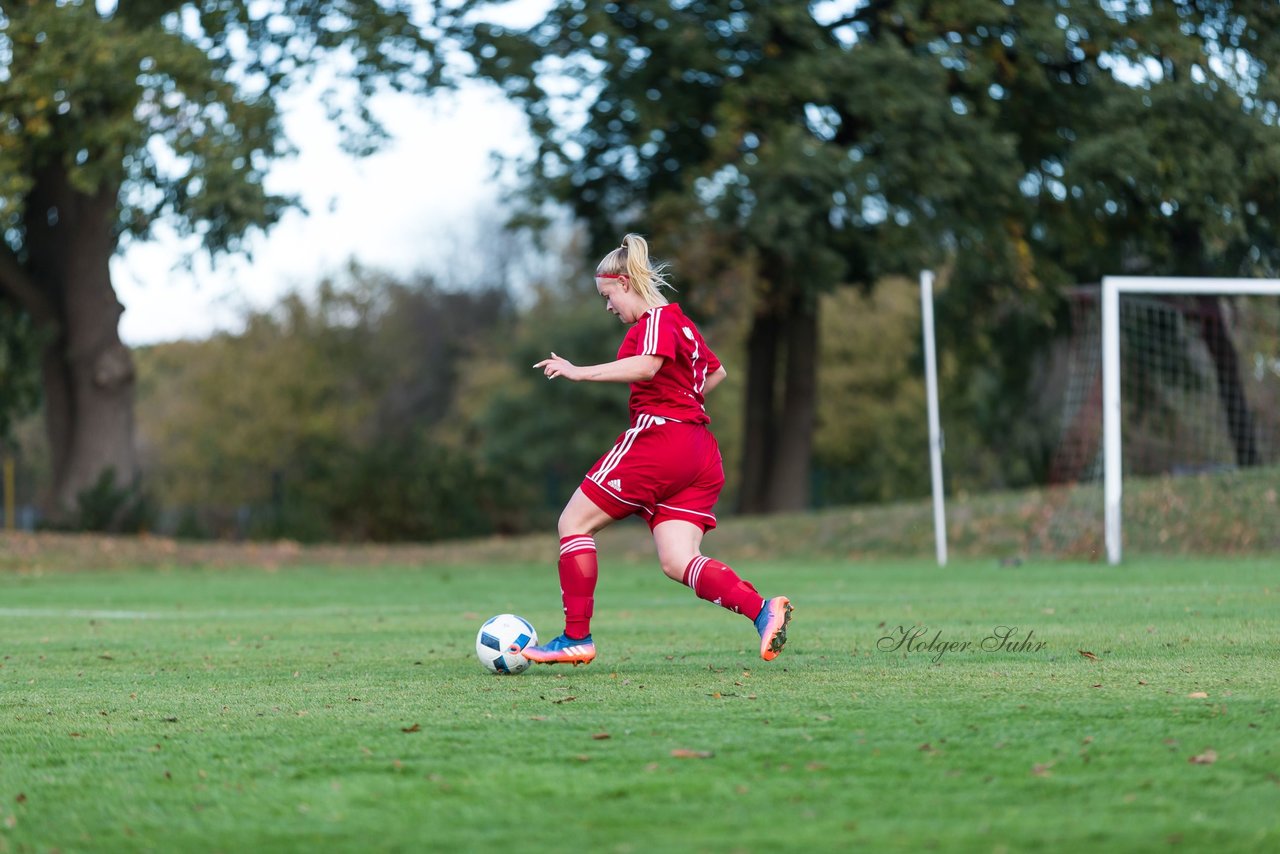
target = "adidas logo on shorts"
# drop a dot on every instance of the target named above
(615, 485)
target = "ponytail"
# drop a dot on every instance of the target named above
(632, 260)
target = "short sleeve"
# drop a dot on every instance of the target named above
(657, 334)
(713, 362)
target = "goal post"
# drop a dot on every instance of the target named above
(1113, 288)
(935, 420)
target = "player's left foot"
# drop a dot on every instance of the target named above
(772, 626)
(562, 650)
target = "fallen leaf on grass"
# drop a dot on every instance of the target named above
(1041, 770)
(22, 798)
(1198, 695)
(1087, 654)
(564, 700)
(681, 753)
(414, 728)
(600, 736)
(1209, 757)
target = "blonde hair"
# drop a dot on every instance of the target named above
(632, 260)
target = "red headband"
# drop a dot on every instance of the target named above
(611, 275)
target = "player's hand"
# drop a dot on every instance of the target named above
(558, 367)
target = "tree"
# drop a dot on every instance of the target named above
(829, 144)
(1152, 149)
(324, 415)
(148, 111)
(870, 439)
(19, 370)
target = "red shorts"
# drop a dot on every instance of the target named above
(660, 469)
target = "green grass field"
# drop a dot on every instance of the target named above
(332, 709)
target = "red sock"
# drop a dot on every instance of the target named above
(578, 571)
(716, 582)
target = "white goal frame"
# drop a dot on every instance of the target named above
(935, 420)
(1112, 288)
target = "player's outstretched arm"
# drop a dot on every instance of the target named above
(632, 369)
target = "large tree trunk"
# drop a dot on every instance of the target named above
(759, 432)
(793, 454)
(88, 372)
(778, 440)
(1230, 389)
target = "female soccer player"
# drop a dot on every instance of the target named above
(666, 467)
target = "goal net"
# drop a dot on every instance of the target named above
(1167, 401)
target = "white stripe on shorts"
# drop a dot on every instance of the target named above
(615, 456)
(686, 510)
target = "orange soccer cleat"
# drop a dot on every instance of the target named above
(772, 626)
(562, 650)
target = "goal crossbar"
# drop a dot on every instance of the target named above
(1112, 288)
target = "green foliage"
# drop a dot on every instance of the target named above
(871, 444)
(843, 145)
(175, 102)
(1017, 148)
(117, 116)
(325, 418)
(417, 490)
(113, 507)
(19, 369)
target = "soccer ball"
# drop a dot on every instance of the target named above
(500, 640)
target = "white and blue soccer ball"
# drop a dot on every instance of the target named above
(500, 640)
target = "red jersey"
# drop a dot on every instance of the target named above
(675, 392)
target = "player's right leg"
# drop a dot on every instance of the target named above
(579, 571)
